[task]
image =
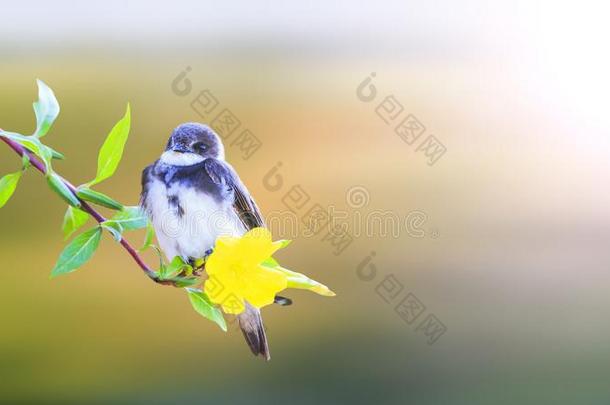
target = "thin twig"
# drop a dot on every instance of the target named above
(20, 150)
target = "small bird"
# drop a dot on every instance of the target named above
(192, 196)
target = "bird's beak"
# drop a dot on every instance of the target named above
(179, 148)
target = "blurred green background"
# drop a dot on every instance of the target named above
(515, 258)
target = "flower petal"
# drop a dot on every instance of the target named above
(224, 290)
(224, 254)
(257, 245)
(262, 286)
(301, 281)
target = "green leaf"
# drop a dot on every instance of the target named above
(8, 184)
(204, 307)
(56, 155)
(98, 198)
(34, 145)
(46, 109)
(46, 154)
(159, 255)
(57, 185)
(130, 218)
(165, 271)
(74, 219)
(25, 162)
(115, 229)
(78, 252)
(148, 239)
(112, 150)
(182, 282)
(177, 266)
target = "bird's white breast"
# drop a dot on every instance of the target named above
(187, 221)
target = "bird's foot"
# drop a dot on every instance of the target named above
(198, 265)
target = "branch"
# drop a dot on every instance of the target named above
(20, 150)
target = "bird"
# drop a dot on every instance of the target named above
(192, 195)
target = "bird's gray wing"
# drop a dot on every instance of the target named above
(146, 179)
(222, 173)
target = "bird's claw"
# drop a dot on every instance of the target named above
(198, 265)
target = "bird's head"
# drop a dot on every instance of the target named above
(192, 143)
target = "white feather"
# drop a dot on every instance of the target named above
(195, 231)
(180, 159)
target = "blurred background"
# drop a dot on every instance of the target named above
(510, 259)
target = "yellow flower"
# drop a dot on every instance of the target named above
(236, 273)
(242, 269)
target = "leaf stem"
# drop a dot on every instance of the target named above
(21, 151)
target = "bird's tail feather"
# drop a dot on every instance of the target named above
(251, 324)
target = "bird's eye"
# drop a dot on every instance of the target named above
(199, 146)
